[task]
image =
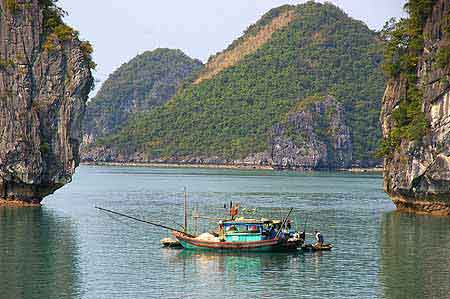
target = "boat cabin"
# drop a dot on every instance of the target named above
(249, 230)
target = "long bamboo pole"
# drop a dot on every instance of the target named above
(140, 220)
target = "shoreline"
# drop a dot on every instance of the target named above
(19, 203)
(224, 166)
(420, 207)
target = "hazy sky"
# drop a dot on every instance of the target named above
(121, 29)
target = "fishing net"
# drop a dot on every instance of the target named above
(207, 237)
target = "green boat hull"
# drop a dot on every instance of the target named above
(275, 245)
(258, 249)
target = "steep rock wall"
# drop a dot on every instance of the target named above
(315, 136)
(417, 173)
(44, 84)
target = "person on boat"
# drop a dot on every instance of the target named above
(234, 210)
(272, 232)
(288, 225)
(287, 228)
(319, 238)
(221, 231)
(302, 235)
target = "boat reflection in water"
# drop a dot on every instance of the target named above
(37, 255)
(231, 272)
(415, 256)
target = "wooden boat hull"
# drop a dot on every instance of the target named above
(255, 246)
(312, 248)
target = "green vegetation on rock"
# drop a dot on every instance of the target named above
(12, 5)
(443, 56)
(146, 81)
(320, 51)
(320, 121)
(405, 44)
(5, 64)
(57, 32)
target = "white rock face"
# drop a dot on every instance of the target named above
(440, 117)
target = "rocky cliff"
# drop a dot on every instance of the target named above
(314, 136)
(45, 79)
(415, 114)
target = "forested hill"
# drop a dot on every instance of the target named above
(233, 105)
(146, 81)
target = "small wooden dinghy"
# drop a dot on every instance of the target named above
(171, 243)
(312, 247)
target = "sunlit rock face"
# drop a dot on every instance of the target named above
(44, 84)
(417, 175)
(314, 136)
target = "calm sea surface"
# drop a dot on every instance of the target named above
(68, 249)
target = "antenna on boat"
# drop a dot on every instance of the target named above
(195, 215)
(185, 210)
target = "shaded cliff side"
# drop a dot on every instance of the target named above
(314, 136)
(415, 114)
(45, 79)
(227, 114)
(146, 81)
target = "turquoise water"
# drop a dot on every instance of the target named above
(68, 249)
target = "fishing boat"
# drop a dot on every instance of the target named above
(233, 233)
(244, 235)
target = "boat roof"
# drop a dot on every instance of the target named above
(250, 221)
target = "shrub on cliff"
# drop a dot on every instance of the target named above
(404, 45)
(443, 56)
(12, 5)
(57, 32)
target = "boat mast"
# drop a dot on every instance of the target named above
(185, 210)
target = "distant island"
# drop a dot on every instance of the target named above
(300, 89)
(147, 81)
